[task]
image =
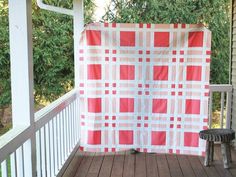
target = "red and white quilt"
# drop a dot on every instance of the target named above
(144, 86)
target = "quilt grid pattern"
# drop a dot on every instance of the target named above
(144, 86)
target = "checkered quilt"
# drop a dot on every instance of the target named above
(144, 86)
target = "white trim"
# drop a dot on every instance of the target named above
(78, 28)
(60, 10)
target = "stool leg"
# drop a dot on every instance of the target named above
(207, 157)
(211, 151)
(225, 154)
(230, 157)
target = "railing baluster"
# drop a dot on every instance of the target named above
(73, 123)
(55, 147)
(4, 169)
(228, 109)
(62, 130)
(59, 141)
(19, 162)
(70, 125)
(38, 153)
(210, 110)
(222, 99)
(51, 149)
(47, 143)
(64, 135)
(77, 119)
(67, 133)
(13, 165)
(68, 128)
(43, 151)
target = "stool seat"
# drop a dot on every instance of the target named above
(217, 135)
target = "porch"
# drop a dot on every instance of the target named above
(146, 165)
(47, 143)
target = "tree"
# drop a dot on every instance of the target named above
(5, 94)
(52, 52)
(214, 14)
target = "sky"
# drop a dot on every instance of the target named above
(100, 9)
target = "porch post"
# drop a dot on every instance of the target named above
(20, 27)
(78, 28)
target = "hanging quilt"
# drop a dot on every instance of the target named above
(144, 86)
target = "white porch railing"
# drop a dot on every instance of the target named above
(57, 135)
(225, 91)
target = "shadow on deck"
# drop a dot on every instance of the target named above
(124, 164)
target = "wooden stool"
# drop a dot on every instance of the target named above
(225, 136)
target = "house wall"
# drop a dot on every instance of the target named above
(233, 64)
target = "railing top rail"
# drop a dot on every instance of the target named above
(44, 115)
(221, 88)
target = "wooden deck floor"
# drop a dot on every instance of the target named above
(124, 164)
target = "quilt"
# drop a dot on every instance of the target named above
(144, 87)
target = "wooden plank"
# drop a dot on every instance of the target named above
(197, 167)
(74, 164)
(95, 165)
(210, 171)
(140, 168)
(174, 167)
(185, 165)
(85, 164)
(107, 164)
(151, 164)
(233, 165)
(219, 163)
(163, 169)
(118, 164)
(129, 164)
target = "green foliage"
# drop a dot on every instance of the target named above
(52, 51)
(5, 94)
(214, 14)
(53, 54)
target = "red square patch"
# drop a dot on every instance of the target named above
(93, 37)
(127, 38)
(192, 106)
(191, 139)
(160, 72)
(94, 136)
(158, 138)
(195, 39)
(161, 39)
(94, 105)
(125, 137)
(94, 72)
(159, 105)
(194, 73)
(127, 72)
(126, 104)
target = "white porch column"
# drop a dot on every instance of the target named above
(78, 28)
(78, 22)
(20, 24)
